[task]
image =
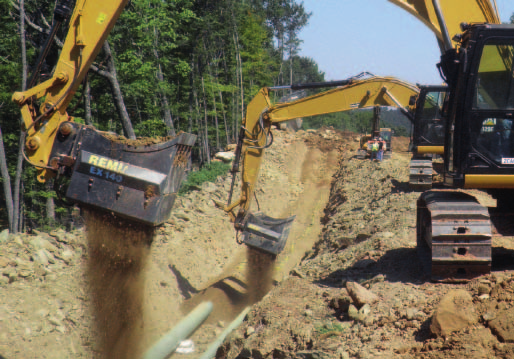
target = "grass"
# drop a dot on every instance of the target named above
(208, 173)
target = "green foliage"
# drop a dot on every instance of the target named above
(330, 328)
(208, 173)
(151, 128)
(199, 60)
(355, 121)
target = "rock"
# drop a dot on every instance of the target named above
(60, 235)
(11, 273)
(183, 216)
(4, 236)
(483, 289)
(503, 326)
(209, 187)
(42, 312)
(361, 295)
(488, 316)
(312, 355)
(65, 255)
(226, 157)
(4, 262)
(361, 315)
(454, 313)
(340, 304)
(353, 312)
(231, 147)
(249, 331)
(411, 313)
(41, 243)
(386, 235)
(40, 257)
(55, 321)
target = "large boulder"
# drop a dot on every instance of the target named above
(360, 295)
(454, 313)
(226, 157)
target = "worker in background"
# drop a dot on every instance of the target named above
(381, 148)
(374, 146)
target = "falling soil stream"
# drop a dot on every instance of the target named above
(118, 253)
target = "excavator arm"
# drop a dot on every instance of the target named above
(133, 179)
(453, 12)
(90, 24)
(264, 232)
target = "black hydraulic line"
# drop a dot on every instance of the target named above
(442, 24)
(61, 13)
(311, 85)
(235, 164)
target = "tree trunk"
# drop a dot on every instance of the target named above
(116, 92)
(227, 129)
(206, 138)
(168, 120)
(6, 182)
(199, 127)
(19, 166)
(87, 102)
(50, 205)
(191, 84)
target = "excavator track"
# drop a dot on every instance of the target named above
(420, 177)
(455, 231)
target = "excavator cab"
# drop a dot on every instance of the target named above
(428, 130)
(479, 154)
(479, 139)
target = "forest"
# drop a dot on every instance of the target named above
(167, 66)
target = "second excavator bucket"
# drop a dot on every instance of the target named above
(134, 179)
(265, 233)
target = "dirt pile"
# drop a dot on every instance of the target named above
(369, 238)
(353, 241)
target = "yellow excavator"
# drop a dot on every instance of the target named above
(428, 132)
(259, 230)
(427, 135)
(136, 180)
(453, 228)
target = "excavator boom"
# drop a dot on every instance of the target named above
(133, 179)
(266, 233)
(454, 13)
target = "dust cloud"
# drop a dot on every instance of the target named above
(118, 251)
(259, 274)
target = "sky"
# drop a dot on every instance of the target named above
(346, 37)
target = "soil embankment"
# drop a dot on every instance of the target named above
(348, 284)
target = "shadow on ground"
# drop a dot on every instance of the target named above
(404, 265)
(397, 265)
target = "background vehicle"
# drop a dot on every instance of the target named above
(376, 131)
(137, 180)
(261, 231)
(427, 135)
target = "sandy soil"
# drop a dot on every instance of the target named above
(355, 222)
